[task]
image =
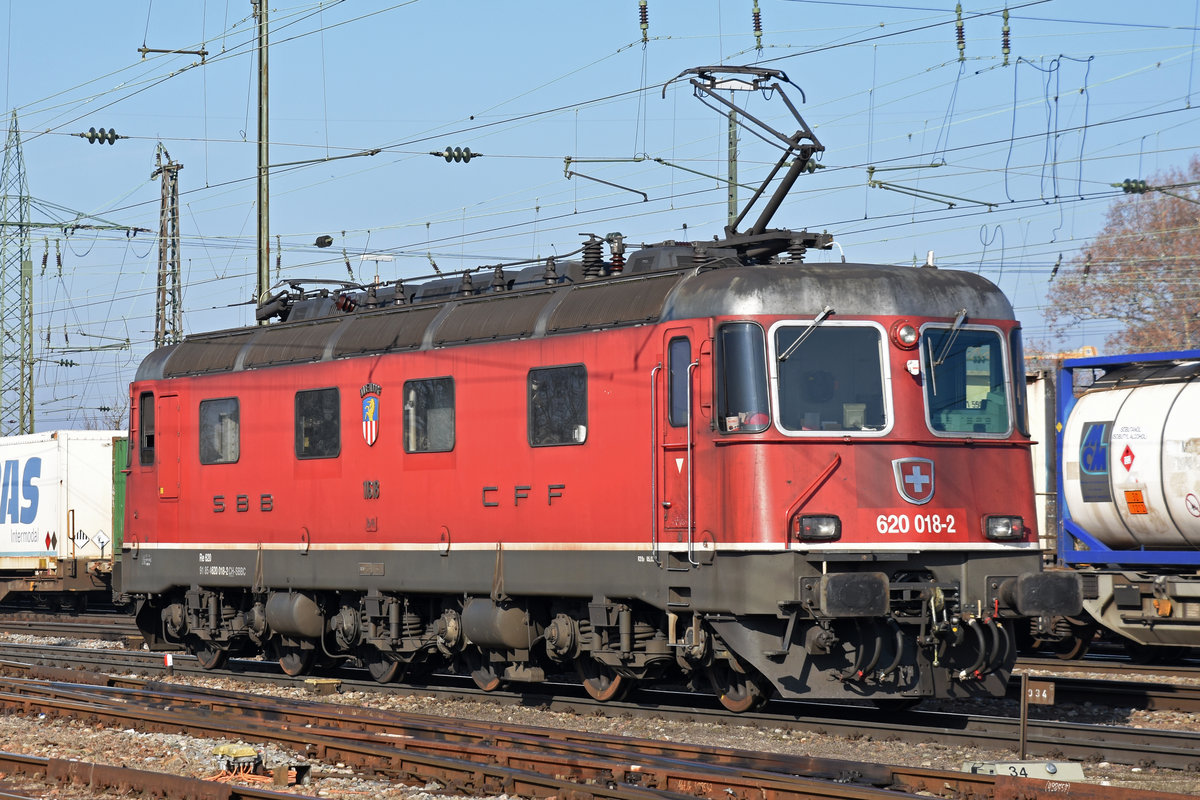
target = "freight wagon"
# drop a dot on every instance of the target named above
(61, 514)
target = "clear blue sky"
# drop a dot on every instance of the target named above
(1093, 93)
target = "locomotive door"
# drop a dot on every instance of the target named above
(675, 421)
(167, 424)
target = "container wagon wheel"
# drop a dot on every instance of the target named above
(295, 661)
(600, 681)
(1078, 637)
(208, 655)
(738, 691)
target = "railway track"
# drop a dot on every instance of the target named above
(109, 627)
(482, 758)
(58, 773)
(1151, 693)
(1045, 738)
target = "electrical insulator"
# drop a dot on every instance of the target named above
(345, 303)
(499, 283)
(102, 136)
(593, 258)
(1004, 38)
(462, 154)
(324, 241)
(959, 33)
(757, 15)
(1133, 186)
(550, 275)
(644, 16)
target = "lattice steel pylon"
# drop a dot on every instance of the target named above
(168, 317)
(16, 292)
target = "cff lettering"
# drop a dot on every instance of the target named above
(18, 494)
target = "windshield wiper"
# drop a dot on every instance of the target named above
(812, 326)
(951, 336)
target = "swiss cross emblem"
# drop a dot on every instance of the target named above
(914, 479)
(1127, 458)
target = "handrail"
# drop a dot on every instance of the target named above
(654, 456)
(690, 472)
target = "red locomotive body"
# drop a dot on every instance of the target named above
(765, 476)
(712, 465)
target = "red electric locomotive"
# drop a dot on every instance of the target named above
(710, 464)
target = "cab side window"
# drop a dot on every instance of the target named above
(558, 406)
(219, 431)
(318, 424)
(146, 429)
(679, 355)
(742, 379)
(429, 415)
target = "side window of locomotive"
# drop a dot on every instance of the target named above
(679, 355)
(965, 383)
(318, 424)
(742, 379)
(830, 377)
(429, 415)
(219, 431)
(146, 429)
(1017, 349)
(558, 406)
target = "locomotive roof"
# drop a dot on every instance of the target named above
(659, 284)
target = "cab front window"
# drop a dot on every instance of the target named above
(965, 378)
(830, 377)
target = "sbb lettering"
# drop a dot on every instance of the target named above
(266, 503)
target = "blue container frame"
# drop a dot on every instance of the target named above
(1069, 532)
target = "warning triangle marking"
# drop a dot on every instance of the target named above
(679, 465)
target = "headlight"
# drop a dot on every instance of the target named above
(816, 528)
(904, 334)
(1005, 528)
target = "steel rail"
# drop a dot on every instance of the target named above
(475, 758)
(122, 780)
(1170, 749)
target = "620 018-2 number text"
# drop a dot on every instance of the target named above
(916, 523)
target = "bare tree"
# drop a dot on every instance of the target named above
(1141, 269)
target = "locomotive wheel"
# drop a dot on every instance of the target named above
(600, 681)
(295, 661)
(208, 655)
(486, 678)
(737, 691)
(382, 668)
